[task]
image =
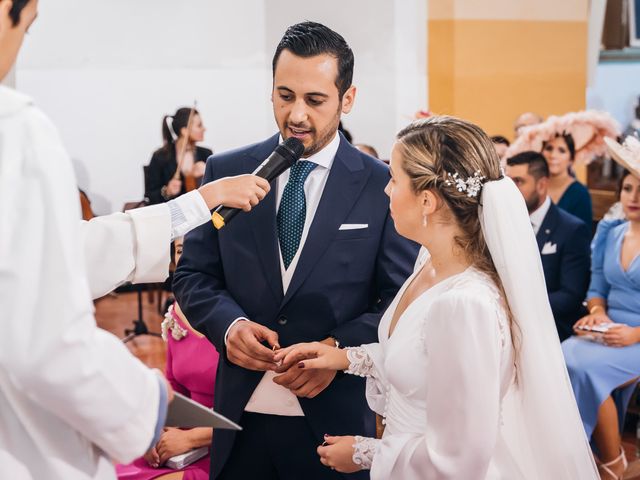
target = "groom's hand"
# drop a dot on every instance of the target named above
(245, 349)
(305, 383)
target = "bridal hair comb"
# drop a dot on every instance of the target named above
(471, 185)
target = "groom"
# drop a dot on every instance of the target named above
(318, 259)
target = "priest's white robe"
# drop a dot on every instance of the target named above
(71, 396)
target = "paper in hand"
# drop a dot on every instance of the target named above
(185, 413)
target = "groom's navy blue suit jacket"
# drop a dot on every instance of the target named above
(342, 284)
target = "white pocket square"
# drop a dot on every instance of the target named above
(549, 248)
(353, 226)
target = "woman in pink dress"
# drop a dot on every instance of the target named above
(191, 369)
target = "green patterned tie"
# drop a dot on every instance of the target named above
(293, 210)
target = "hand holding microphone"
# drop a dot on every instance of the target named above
(282, 158)
(242, 192)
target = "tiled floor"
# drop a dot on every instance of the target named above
(117, 312)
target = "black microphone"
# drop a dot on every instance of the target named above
(283, 157)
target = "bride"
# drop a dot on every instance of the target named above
(468, 373)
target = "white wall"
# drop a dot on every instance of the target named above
(616, 90)
(106, 72)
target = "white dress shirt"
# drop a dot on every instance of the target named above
(537, 216)
(269, 397)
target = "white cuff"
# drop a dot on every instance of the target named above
(360, 363)
(188, 211)
(364, 449)
(226, 334)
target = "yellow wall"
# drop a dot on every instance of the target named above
(489, 70)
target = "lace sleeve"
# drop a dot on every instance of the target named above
(360, 363)
(364, 450)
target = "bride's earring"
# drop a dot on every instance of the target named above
(425, 203)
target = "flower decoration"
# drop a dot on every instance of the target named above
(170, 323)
(471, 185)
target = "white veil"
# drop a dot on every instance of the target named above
(541, 422)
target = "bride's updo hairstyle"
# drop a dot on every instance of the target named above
(433, 150)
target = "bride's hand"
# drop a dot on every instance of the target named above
(337, 453)
(315, 355)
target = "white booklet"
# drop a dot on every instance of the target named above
(601, 328)
(178, 462)
(185, 413)
(596, 333)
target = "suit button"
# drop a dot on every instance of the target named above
(282, 320)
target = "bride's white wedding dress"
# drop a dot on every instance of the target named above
(445, 380)
(438, 381)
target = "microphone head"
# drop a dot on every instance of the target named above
(292, 149)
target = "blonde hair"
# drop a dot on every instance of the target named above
(434, 147)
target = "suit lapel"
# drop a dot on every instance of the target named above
(547, 227)
(263, 222)
(347, 178)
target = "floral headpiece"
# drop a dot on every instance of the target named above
(471, 185)
(588, 129)
(627, 154)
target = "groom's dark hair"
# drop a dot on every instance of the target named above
(309, 39)
(16, 10)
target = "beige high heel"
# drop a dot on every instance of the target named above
(607, 470)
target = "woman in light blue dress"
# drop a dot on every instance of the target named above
(604, 373)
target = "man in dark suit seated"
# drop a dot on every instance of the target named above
(317, 260)
(563, 240)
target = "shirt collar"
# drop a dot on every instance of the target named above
(537, 216)
(324, 158)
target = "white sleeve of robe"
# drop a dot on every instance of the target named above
(127, 247)
(52, 354)
(462, 341)
(134, 246)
